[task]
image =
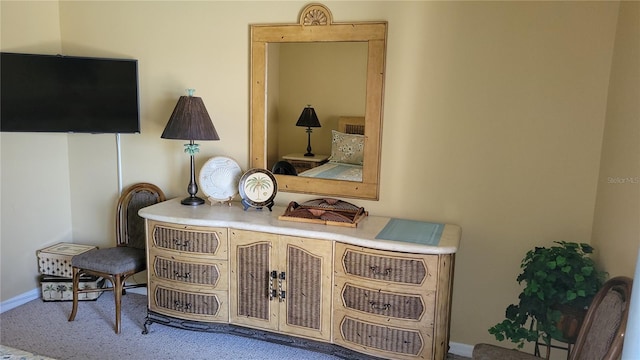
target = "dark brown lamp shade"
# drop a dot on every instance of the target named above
(308, 118)
(190, 121)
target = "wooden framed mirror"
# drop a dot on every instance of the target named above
(269, 114)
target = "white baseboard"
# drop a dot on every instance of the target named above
(460, 349)
(19, 300)
(35, 294)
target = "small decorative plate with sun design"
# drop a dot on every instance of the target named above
(258, 188)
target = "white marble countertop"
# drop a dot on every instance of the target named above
(234, 216)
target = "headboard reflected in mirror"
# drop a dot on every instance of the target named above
(351, 124)
(268, 113)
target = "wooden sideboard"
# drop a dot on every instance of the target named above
(213, 266)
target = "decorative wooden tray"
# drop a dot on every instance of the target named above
(326, 211)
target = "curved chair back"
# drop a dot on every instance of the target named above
(602, 332)
(130, 229)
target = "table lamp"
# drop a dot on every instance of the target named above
(190, 121)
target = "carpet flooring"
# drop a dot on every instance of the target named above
(42, 328)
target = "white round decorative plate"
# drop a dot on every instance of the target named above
(219, 178)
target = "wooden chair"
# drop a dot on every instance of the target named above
(601, 335)
(116, 264)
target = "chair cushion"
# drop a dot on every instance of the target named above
(116, 260)
(492, 352)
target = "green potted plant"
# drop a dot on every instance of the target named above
(560, 282)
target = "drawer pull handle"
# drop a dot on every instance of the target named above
(178, 305)
(281, 293)
(375, 270)
(272, 291)
(276, 290)
(185, 276)
(376, 306)
(179, 242)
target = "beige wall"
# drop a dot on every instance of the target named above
(616, 225)
(494, 116)
(35, 193)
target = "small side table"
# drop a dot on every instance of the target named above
(302, 163)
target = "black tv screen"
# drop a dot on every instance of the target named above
(53, 93)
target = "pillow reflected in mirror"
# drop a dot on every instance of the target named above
(347, 148)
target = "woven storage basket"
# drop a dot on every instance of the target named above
(56, 259)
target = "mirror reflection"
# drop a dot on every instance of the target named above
(331, 77)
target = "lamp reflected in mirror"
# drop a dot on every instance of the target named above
(308, 119)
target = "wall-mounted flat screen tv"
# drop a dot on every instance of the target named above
(53, 93)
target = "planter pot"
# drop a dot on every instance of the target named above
(570, 322)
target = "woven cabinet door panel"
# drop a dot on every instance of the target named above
(306, 308)
(304, 294)
(251, 262)
(253, 275)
